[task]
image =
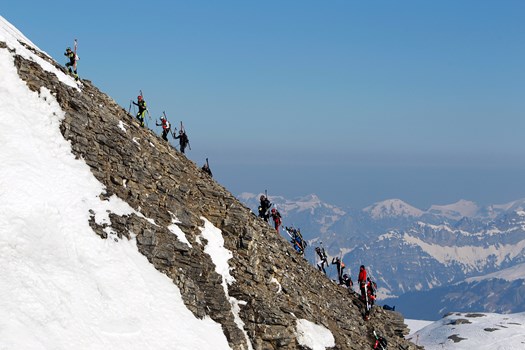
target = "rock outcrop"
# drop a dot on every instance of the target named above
(276, 285)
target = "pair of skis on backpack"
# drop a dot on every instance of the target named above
(72, 67)
(381, 343)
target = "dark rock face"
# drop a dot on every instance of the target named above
(277, 285)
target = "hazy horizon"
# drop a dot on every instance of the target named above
(357, 186)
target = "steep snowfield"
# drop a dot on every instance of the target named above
(62, 287)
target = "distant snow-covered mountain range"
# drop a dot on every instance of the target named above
(427, 255)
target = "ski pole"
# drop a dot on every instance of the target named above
(149, 116)
(76, 57)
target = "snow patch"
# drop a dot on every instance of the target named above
(220, 256)
(175, 229)
(121, 125)
(313, 336)
(473, 331)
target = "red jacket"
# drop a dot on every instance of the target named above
(362, 275)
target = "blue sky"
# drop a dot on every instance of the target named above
(354, 101)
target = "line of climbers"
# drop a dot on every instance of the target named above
(367, 287)
(166, 125)
(184, 141)
(296, 238)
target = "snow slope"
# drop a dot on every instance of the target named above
(474, 331)
(62, 286)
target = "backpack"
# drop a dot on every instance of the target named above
(373, 288)
(320, 251)
(381, 342)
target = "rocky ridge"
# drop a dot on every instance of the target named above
(276, 285)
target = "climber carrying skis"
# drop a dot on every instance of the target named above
(141, 103)
(183, 139)
(276, 217)
(371, 288)
(206, 168)
(166, 127)
(299, 244)
(347, 282)
(340, 268)
(322, 259)
(72, 64)
(361, 279)
(264, 207)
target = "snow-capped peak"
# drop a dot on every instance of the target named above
(492, 211)
(509, 274)
(392, 208)
(455, 211)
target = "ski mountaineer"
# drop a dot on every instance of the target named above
(296, 239)
(361, 279)
(206, 168)
(276, 216)
(340, 267)
(72, 62)
(347, 281)
(142, 109)
(264, 206)
(322, 256)
(371, 287)
(166, 127)
(183, 140)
